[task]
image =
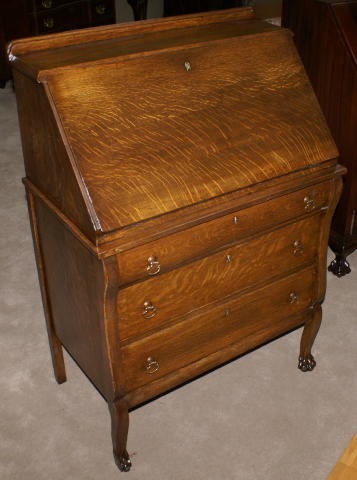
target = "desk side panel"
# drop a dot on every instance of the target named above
(77, 288)
(47, 162)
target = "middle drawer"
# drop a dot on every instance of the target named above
(150, 303)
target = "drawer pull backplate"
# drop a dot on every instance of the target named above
(48, 22)
(47, 3)
(100, 9)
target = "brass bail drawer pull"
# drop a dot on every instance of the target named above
(151, 365)
(298, 250)
(294, 299)
(309, 204)
(47, 3)
(153, 266)
(149, 310)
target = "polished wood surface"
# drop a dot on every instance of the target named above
(346, 467)
(178, 227)
(172, 7)
(325, 36)
(180, 248)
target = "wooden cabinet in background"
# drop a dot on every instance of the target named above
(28, 18)
(182, 7)
(326, 38)
(181, 181)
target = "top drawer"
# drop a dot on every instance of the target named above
(46, 5)
(156, 257)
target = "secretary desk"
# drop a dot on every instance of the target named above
(181, 181)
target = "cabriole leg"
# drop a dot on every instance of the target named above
(306, 360)
(120, 425)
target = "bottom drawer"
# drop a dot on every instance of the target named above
(174, 347)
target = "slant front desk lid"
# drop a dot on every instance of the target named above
(170, 115)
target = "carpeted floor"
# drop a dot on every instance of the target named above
(258, 417)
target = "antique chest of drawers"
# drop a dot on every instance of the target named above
(25, 18)
(181, 182)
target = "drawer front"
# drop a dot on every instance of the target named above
(156, 257)
(100, 10)
(175, 347)
(145, 305)
(48, 5)
(65, 18)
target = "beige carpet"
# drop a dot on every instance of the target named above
(258, 417)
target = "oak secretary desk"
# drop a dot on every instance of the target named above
(181, 181)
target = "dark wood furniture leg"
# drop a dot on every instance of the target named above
(120, 425)
(306, 360)
(55, 344)
(139, 8)
(339, 266)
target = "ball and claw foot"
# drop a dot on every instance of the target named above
(123, 461)
(307, 364)
(339, 266)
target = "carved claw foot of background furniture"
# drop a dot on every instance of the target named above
(339, 266)
(123, 461)
(307, 364)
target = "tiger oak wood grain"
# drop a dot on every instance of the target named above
(187, 150)
(215, 234)
(130, 152)
(218, 329)
(206, 281)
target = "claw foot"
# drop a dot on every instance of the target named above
(307, 364)
(123, 461)
(339, 266)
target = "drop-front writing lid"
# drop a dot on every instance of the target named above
(160, 130)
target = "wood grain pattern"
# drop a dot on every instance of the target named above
(91, 37)
(189, 341)
(77, 306)
(181, 375)
(346, 467)
(129, 150)
(189, 244)
(205, 281)
(164, 160)
(48, 158)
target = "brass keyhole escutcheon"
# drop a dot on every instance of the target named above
(228, 258)
(153, 267)
(309, 204)
(298, 250)
(151, 365)
(149, 310)
(294, 299)
(188, 66)
(228, 312)
(47, 3)
(236, 220)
